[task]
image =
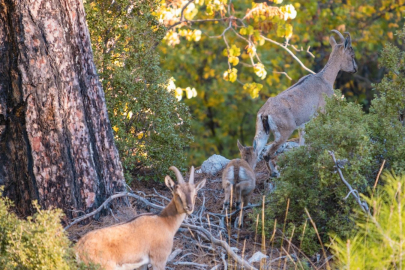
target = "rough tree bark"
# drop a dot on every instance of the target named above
(56, 142)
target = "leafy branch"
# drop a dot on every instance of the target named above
(261, 16)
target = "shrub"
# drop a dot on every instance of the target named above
(378, 241)
(386, 118)
(151, 127)
(308, 177)
(38, 242)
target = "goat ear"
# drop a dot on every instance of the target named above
(332, 41)
(347, 43)
(201, 184)
(240, 146)
(169, 183)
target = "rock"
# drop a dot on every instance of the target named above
(257, 257)
(213, 164)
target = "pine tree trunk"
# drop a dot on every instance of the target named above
(56, 141)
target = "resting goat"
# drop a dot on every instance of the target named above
(239, 173)
(145, 239)
(294, 107)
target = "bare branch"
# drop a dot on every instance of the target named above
(181, 16)
(191, 264)
(104, 205)
(363, 205)
(284, 73)
(301, 50)
(221, 243)
(290, 52)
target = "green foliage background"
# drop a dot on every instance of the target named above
(224, 112)
(38, 242)
(152, 128)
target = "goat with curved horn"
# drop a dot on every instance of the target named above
(146, 239)
(294, 107)
(178, 174)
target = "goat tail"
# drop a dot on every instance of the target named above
(265, 122)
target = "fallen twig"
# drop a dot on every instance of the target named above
(190, 263)
(174, 255)
(221, 243)
(115, 196)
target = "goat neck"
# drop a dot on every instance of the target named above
(173, 214)
(332, 67)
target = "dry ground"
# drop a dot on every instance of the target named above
(195, 252)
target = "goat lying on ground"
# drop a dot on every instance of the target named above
(294, 107)
(239, 173)
(145, 239)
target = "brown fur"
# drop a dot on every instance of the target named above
(239, 175)
(146, 239)
(297, 105)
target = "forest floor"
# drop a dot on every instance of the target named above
(195, 252)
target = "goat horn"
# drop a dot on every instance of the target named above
(178, 174)
(342, 38)
(350, 38)
(191, 181)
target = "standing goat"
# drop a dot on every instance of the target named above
(145, 239)
(294, 107)
(239, 173)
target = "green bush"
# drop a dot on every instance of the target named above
(35, 243)
(379, 240)
(308, 177)
(38, 242)
(386, 118)
(151, 127)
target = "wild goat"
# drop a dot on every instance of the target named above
(239, 173)
(294, 107)
(145, 239)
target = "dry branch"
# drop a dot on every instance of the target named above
(104, 205)
(363, 205)
(221, 243)
(197, 229)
